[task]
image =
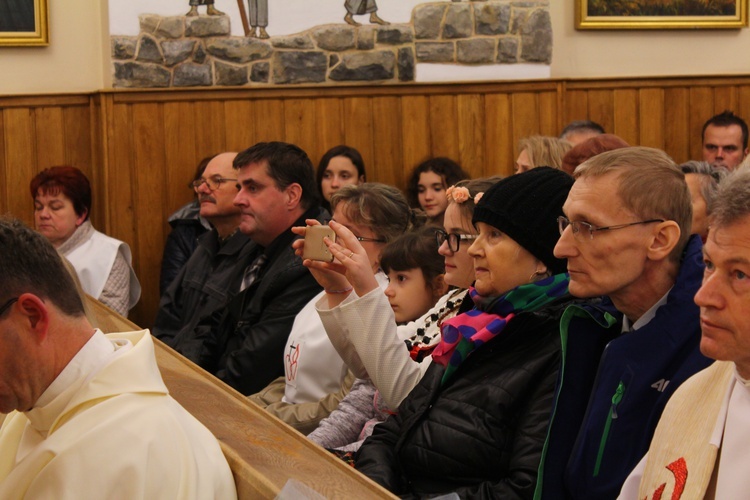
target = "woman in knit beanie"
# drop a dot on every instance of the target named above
(476, 423)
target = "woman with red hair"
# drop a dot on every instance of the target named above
(62, 204)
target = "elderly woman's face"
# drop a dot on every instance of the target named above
(501, 264)
(55, 217)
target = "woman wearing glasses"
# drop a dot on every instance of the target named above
(314, 381)
(62, 205)
(476, 424)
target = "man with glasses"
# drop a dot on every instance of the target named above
(626, 236)
(211, 277)
(89, 415)
(243, 342)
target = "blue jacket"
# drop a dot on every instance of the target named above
(629, 384)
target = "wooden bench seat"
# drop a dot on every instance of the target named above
(263, 452)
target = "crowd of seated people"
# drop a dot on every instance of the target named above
(517, 337)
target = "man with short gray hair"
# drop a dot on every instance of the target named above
(626, 236)
(699, 448)
(211, 277)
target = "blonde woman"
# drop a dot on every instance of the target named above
(540, 151)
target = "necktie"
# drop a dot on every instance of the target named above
(252, 271)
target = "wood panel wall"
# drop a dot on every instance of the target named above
(140, 147)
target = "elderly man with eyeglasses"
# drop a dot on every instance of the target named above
(626, 236)
(211, 277)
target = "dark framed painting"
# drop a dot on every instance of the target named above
(660, 14)
(23, 23)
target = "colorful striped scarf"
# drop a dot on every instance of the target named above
(467, 332)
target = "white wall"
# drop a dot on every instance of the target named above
(285, 17)
(607, 53)
(78, 56)
(74, 61)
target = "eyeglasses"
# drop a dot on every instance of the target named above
(213, 183)
(362, 238)
(373, 240)
(7, 305)
(454, 239)
(577, 226)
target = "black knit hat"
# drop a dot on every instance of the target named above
(526, 207)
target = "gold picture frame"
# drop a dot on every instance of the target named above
(24, 23)
(660, 14)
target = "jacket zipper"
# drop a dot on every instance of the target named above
(616, 398)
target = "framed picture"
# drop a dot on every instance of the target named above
(660, 14)
(23, 23)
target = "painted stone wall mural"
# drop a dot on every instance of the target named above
(185, 43)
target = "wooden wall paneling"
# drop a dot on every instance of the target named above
(444, 126)
(5, 188)
(50, 137)
(499, 145)
(388, 142)
(20, 160)
(118, 179)
(358, 129)
(299, 124)
(549, 117)
(77, 139)
(210, 131)
(100, 126)
(524, 116)
(240, 123)
(626, 116)
(651, 113)
(677, 123)
(471, 133)
(329, 129)
(743, 105)
(601, 105)
(743, 101)
(701, 109)
(725, 98)
(576, 106)
(181, 156)
(121, 189)
(149, 174)
(268, 118)
(417, 141)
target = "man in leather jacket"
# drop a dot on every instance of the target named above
(243, 343)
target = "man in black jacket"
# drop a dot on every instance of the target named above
(212, 274)
(277, 191)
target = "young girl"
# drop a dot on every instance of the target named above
(427, 185)
(415, 272)
(340, 166)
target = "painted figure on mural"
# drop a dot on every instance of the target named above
(210, 9)
(258, 18)
(362, 7)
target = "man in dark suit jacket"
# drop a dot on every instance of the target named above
(243, 344)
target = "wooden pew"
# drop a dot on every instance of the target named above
(263, 452)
